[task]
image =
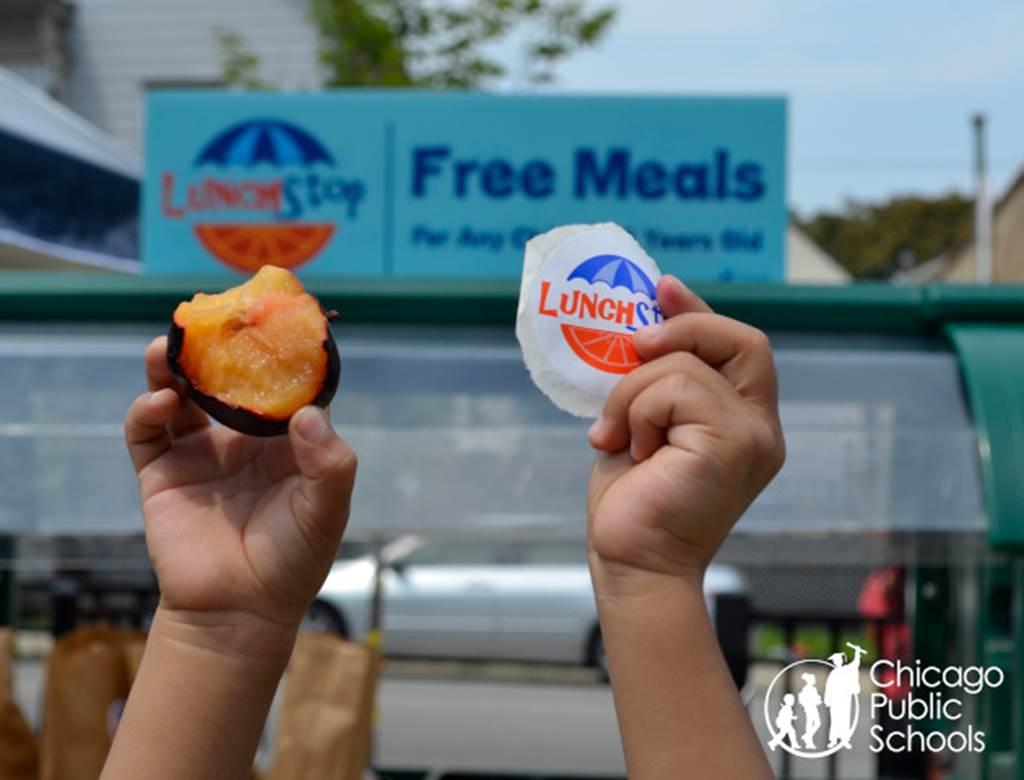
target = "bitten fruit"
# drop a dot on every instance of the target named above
(254, 355)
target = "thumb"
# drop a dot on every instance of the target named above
(328, 468)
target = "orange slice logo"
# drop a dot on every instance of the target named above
(248, 247)
(602, 349)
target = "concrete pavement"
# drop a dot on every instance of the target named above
(511, 717)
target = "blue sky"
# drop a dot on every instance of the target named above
(879, 92)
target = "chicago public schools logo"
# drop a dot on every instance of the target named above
(820, 718)
(812, 707)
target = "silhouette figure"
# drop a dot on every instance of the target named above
(810, 701)
(784, 724)
(841, 688)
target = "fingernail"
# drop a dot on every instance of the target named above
(158, 396)
(598, 429)
(312, 424)
(650, 331)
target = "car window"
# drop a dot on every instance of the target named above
(455, 553)
(554, 553)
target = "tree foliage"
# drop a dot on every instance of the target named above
(238, 63)
(466, 44)
(872, 241)
(437, 43)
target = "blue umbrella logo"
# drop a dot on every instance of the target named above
(615, 271)
(264, 140)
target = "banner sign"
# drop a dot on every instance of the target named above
(426, 184)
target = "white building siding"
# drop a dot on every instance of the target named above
(34, 72)
(117, 46)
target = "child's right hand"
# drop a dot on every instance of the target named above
(687, 442)
(241, 530)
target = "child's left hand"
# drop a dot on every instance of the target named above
(686, 442)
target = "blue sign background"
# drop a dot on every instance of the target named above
(426, 184)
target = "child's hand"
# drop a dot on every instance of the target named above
(688, 440)
(241, 531)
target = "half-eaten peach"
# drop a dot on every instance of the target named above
(254, 355)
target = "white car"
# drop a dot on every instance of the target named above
(469, 598)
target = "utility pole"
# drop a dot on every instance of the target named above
(982, 209)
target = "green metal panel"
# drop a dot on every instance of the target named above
(933, 626)
(859, 308)
(1017, 679)
(992, 361)
(111, 297)
(6, 581)
(995, 646)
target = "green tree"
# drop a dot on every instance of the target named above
(238, 63)
(468, 44)
(872, 241)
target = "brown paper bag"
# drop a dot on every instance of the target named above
(367, 716)
(327, 715)
(19, 758)
(6, 662)
(86, 681)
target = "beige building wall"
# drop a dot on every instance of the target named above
(1007, 243)
(808, 263)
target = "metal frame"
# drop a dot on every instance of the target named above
(992, 362)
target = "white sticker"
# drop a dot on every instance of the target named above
(586, 290)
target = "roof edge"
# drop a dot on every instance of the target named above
(857, 308)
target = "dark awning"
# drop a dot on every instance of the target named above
(68, 195)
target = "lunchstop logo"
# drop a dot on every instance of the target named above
(263, 191)
(597, 315)
(812, 707)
